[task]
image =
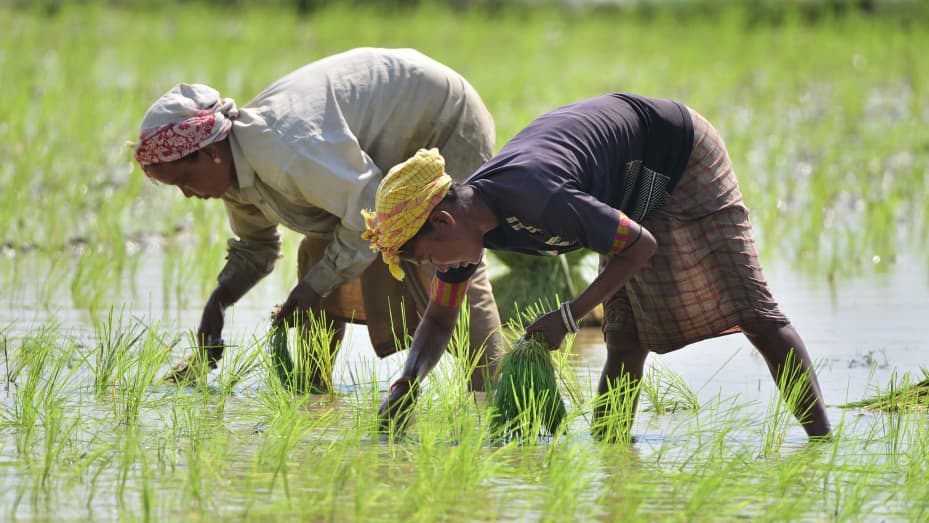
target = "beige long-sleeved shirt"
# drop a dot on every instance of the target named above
(311, 149)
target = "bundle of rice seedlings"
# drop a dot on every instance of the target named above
(310, 369)
(280, 357)
(527, 398)
(898, 397)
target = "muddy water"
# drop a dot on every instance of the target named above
(860, 330)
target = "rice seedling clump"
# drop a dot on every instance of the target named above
(900, 396)
(280, 357)
(527, 398)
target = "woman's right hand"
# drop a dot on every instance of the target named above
(210, 332)
(209, 349)
(394, 413)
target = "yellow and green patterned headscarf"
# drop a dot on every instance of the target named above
(404, 200)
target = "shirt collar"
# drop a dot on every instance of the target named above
(245, 175)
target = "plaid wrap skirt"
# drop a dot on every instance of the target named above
(705, 279)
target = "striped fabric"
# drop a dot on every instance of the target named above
(448, 294)
(705, 279)
(404, 199)
(622, 234)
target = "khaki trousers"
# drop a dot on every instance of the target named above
(392, 309)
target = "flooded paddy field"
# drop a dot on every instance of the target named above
(103, 275)
(713, 443)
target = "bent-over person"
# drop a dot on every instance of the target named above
(308, 153)
(646, 183)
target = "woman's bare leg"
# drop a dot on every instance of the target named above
(780, 344)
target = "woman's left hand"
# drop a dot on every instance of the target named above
(551, 326)
(302, 301)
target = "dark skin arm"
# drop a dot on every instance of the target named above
(436, 328)
(302, 300)
(210, 332)
(614, 276)
(429, 343)
(209, 335)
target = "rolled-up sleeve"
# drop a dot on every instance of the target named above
(344, 259)
(251, 255)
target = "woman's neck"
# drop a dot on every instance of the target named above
(476, 210)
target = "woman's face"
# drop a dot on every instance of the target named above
(446, 246)
(199, 176)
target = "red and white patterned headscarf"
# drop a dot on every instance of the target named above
(185, 119)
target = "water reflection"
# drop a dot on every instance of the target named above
(860, 330)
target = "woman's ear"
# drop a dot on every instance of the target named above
(212, 153)
(441, 218)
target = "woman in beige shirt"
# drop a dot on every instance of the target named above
(308, 153)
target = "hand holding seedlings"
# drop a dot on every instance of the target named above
(644, 182)
(553, 327)
(301, 301)
(258, 160)
(395, 411)
(209, 342)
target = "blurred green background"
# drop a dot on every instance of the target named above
(824, 107)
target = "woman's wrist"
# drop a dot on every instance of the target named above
(567, 317)
(408, 381)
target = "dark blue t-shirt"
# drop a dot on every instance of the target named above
(556, 185)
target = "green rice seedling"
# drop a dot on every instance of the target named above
(44, 431)
(900, 395)
(94, 276)
(40, 394)
(527, 396)
(365, 398)
(197, 447)
(463, 364)
(57, 270)
(58, 434)
(444, 473)
(569, 380)
(289, 423)
(311, 369)
(565, 483)
(10, 369)
(793, 386)
(666, 392)
(237, 365)
(113, 340)
(148, 495)
(138, 371)
(282, 363)
(614, 410)
(463, 373)
(128, 442)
